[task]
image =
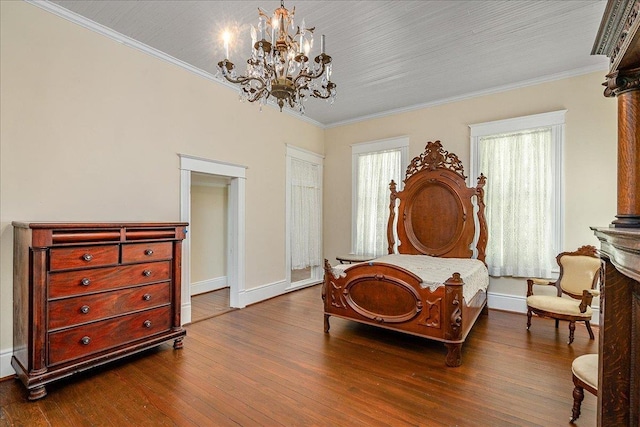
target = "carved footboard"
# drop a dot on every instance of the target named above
(391, 297)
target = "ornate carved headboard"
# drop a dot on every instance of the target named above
(437, 215)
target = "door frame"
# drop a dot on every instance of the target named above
(298, 153)
(236, 227)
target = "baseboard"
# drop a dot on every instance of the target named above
(264, 292)
(303, 284)
(505, 302)
(6, 370)
(208, 285)
(270, 290)
(518, 304)
(185, 313)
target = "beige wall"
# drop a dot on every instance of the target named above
(91, 130)
(589, 153)
(208, 232)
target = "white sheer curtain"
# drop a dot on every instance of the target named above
(519, 198)
(305, 215)
(375, 172)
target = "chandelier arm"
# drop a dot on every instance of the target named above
(310, 76)
(269, 67)
(244, 82)
(317, 94)
(257, 95)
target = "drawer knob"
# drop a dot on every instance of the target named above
(148, 252)
(147, 323)
(87, 257)
(85, 340)
(85, 282)
(146, 297)
(146, 273)
(84, 309)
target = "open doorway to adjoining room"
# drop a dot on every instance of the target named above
(208, 232)
(212, 200)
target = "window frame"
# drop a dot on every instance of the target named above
(400, 143)
(556, 121)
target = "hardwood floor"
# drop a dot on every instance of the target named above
(210, 304)
(271, 364)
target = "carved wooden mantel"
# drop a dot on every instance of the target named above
(619, 346)
(619, 39)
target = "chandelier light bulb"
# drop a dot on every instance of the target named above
(226, 38)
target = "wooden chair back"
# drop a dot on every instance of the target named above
(579, 271)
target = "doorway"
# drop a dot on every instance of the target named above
(208, 231)
(304, 217)
(199, 170)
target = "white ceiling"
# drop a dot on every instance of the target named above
(388, 55)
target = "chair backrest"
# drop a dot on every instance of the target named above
(579, 270)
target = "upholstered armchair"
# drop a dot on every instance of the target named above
(585, 377)
(579, 275)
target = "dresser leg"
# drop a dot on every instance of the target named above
(37, 393)
(177, 344)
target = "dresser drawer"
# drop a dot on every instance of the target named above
(83, 256)
(71, 283)
(74, 311)
(143, 252)
(85, 340)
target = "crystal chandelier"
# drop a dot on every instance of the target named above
(279, 65)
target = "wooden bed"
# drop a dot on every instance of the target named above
(439, 216)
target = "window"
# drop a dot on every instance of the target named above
(304, 213)
(374, 165)
(522, 159)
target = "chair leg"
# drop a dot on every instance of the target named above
(590, 330)
(529, 319)
(578, 397)
(572, 330)
(557, 323)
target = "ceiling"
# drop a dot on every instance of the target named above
(388, 56)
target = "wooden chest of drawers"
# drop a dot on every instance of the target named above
(85, 294)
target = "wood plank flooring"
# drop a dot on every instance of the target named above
(271, 364)
(210, 304)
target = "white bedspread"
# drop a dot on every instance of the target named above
(435, 271)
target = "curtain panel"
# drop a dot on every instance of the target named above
(519, 197)
(375, 172)
(305, 212)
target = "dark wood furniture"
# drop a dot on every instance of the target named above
(619, 352)
(584, 370)
(619, 340)
(85, 294)
(579, 276)
(438, 215)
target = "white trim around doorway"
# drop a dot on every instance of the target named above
(236, 227)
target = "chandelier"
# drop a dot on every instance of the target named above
(279, 65)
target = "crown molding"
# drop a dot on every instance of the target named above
(498, 89)
(128, 41)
